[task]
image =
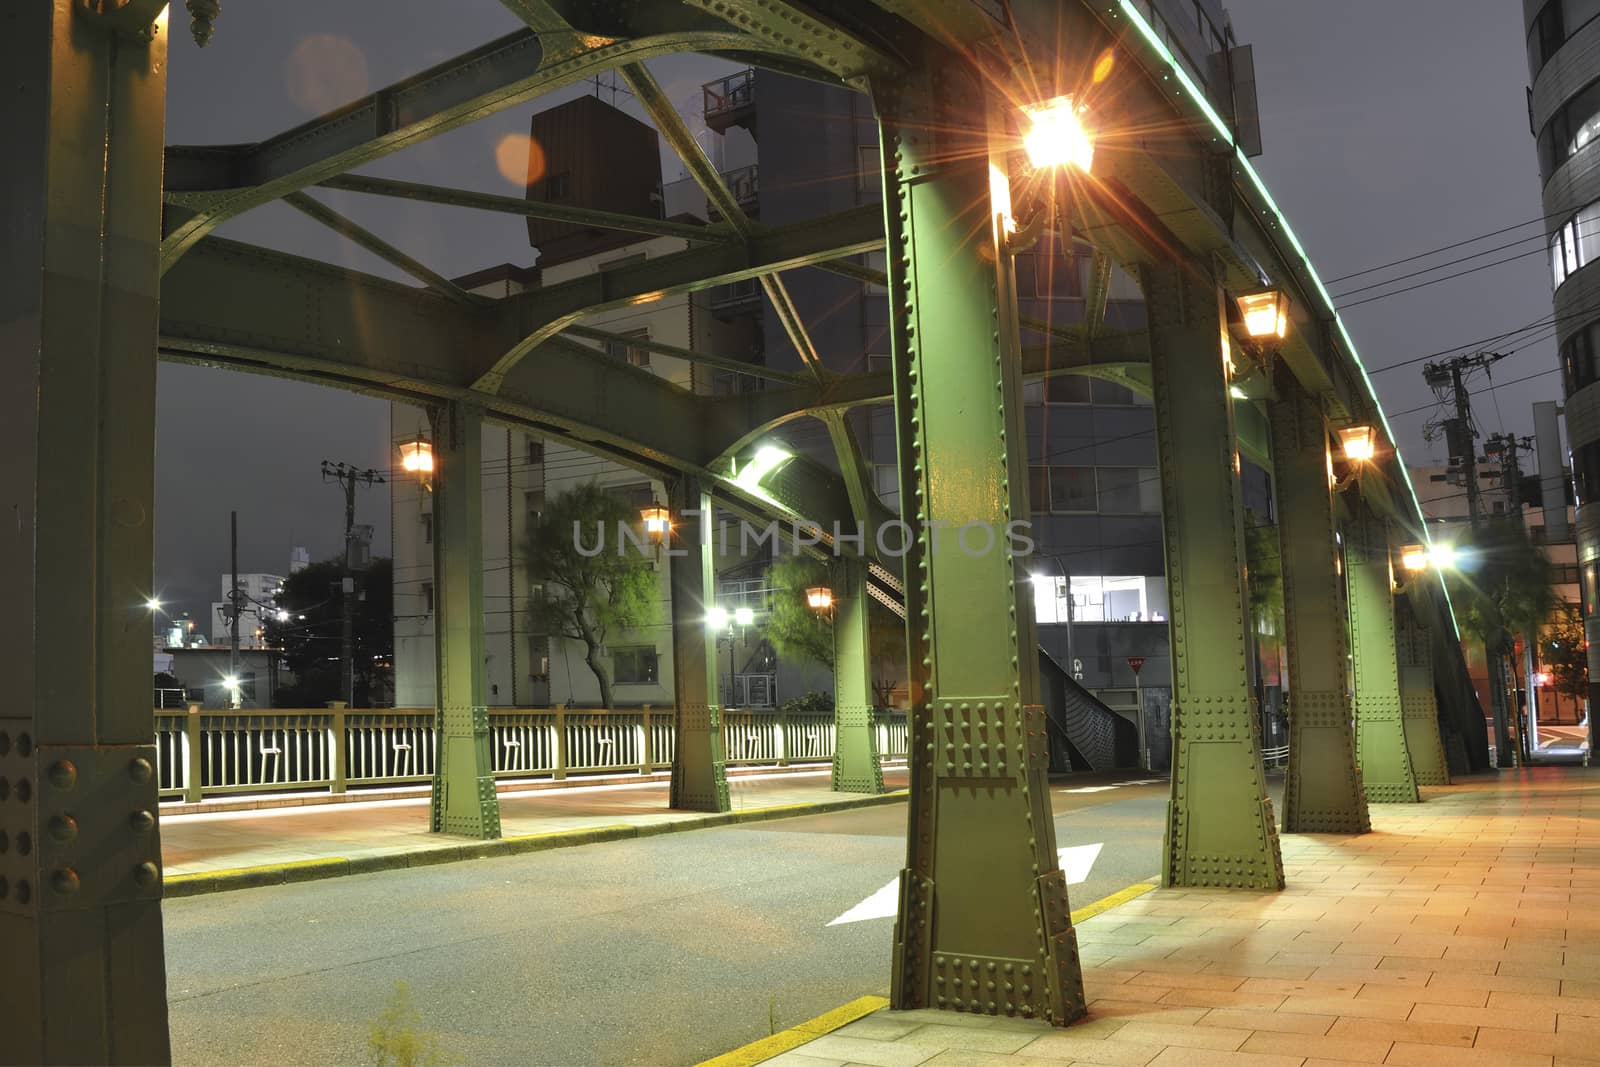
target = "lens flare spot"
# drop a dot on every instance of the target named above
(519, 159)
(1103, 66)
(324, 72)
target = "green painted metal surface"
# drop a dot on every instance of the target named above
(857, 764)
(699, 764)
(464, 799)
(1322, 789)
(1419, 708)
(1220, 826)
(1380, 733)
(984, 924)
(82, 969)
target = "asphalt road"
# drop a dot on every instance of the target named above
(662, 950)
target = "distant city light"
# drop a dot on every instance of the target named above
(716, 618)
(1442, 555)
(744, 616)
(153, 604)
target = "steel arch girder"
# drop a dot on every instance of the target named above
(213, 183)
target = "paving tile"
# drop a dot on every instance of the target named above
(873, 1053)
(1194, 1057)
(881, 1026)
(1408, 1055)
(985, 1040)
(1155, 1033)
(1506, 1019)
(1065, 1047)
(1292, 1022)
(1325, 1046)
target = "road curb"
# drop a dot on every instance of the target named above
(792, 1038)
(227, 880)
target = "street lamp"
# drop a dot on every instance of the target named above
(153, 604)
(416, 458)
(744, 616)
(1265, 314)
(717, 618)
(657, 521)
(819, 598)
(1360, 443)
(1057, 135)
(1414, 558)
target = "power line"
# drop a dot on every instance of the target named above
(1436, 281)
(1441, 266)
(1443, 248)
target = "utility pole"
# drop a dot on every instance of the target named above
(1452, 372)
(1506, 446)
(233, 610)
(348, 478)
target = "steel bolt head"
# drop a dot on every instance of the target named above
(63, 827)
(139, 770)
(141, 821)
(147, 874)
(63, 774)
(65, 881)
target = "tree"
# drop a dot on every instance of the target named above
(582, 594)
(1502, 584)
(798, 632)
(311, 637)
(1563, 651)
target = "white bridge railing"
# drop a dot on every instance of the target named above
(202, 753)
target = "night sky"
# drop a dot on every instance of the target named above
(1390, 129)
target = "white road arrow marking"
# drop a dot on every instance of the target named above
(1076, 862)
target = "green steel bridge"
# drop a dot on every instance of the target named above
(111, 263)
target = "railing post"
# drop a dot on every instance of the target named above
(783, 738)
(191, 755)
(561, 744)
(644, 740)
(338, 747)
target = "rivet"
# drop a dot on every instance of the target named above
(147, 874)
(24, 748)
(65, 880)
(63, 775)
(139, 770)
(63, 827)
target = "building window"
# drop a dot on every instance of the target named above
(634, 666)
(1576, 244)
(558, 186)
(878, 261)
(869, 171)
(535, 451)
(1129, 490)
(533, 504)
(1097, 598)
(1072, 489)
(427, 597)
(634, 495)
(879, 363)
(1067, 389)
(886, 481)
(427, 528)
(627, 349)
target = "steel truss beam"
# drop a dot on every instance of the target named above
(1220, 825)
(82, 970)
(215, 183)
(1380, 729)
(1419, 708)
(984, 924)
(1322, 789)
(385, 251)
(857, 764)
(714, 233)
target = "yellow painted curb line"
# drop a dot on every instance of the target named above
(792, 1038)
(1121, 896)
(784, 1040)
(811, 807)
(610, 828)
(232, 872)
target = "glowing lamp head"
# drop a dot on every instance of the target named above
(1441, 555)
(1360, 443)
(153, 604)
(819, 598)
(744, 616)
(657, 520)
(1414, 558)
(1541, 678)
(1057, 135)
(230, 682)
(717, 619)
(416, 456)
(1265, 314)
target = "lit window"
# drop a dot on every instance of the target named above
(634, 666)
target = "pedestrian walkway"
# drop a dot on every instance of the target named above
(208, 843)
(1461, 931)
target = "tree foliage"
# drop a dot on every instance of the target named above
(797, 632)
(311, 638)
(1264, 561)
(581, 594)
(1564, 652)
(1502, 583)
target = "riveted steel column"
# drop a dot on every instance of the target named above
(857, 767)
(984, 924)
(1380, 733)
(464, 800)
(1419, 708)
(699, 764)
(1220, 826)
(82, 973)
(1322, 790)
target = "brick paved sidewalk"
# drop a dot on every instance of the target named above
(1462, 931)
